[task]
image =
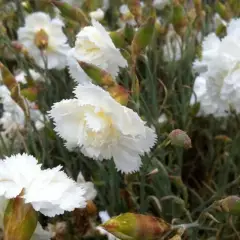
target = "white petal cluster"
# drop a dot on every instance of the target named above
(102, 128)
(93, 45)
(126, 16)
(172, 49)
(13, 118)
(90, 191)
(49, 191)
(161, 4)
(57, 47)
(35, 76)
(217, 87)
(97, 14)
(39, 233)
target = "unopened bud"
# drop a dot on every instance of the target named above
(99, 76)
(119, 93)
(143, 36)
(41, 39)
(180, 138)
(136, 226)
(20, 220)
(230, 204)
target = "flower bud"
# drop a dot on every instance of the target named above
(41, 39)
(230, 204)
(135, 8)
(136, 226)
(71, 12)
(119, 93)
(180, 138)
(118, 39)
(30, 93)
(20, 220)
(98, 75)
(143, 36)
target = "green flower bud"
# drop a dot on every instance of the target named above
(130, 226)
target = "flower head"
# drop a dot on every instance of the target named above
(217, 86)
(49, 191)
(94, 45)
(102, 128)
(43, 38)
(97, 15)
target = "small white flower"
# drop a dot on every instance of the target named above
(94, 45)
(56, 47)
(102, 128)
(13, 116)
(172, 50)
(49, 191)
(90, 191)
(162, 118)
(126, 16)
(39, 233)
(35, 76)
(104, 216)
(161, 4)
(97, 15)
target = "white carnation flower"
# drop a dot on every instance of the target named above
(97, 14)
(90, 191)
(217, 87)
(102, 128)
(35, 76)
(49, 191)
(161, 4)
(93, 45)
(40, 24)
(39, 233)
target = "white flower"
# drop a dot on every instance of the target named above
(126, 16)
(161, 4)
(102, 128)
(104, 216)
(90, 191)
(49, 191)
(217, 87)
(162, 118)
(35, 76)
(13, 116)
(39, 233)
(97, 15)
(172, 50)
(210, 50)
(40, 24)
(94, 45)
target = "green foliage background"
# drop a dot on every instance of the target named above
(187, 181)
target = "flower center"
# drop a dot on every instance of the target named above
(99, 129)
(41, 39)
